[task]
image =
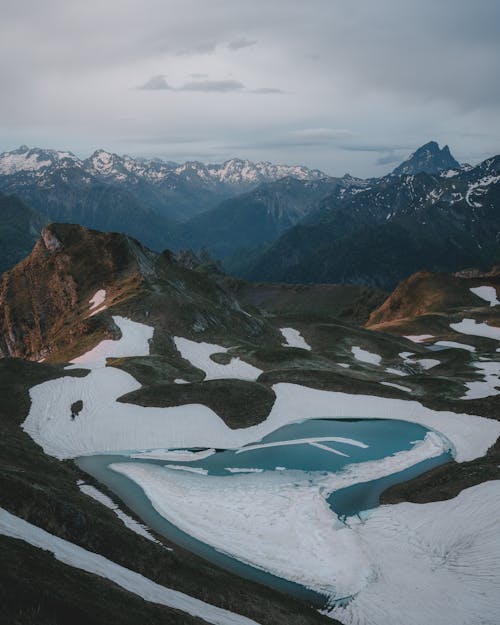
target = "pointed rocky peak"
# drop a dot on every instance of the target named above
(429, 159)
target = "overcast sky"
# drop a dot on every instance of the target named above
(342, 85)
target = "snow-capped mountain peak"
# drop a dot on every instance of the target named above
(25, 159)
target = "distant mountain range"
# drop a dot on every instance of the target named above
(391, 227)
(174, 191)
(272, 222)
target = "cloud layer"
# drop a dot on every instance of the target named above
(348, 86)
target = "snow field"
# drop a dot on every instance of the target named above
(105, 425)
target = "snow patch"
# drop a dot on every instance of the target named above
(365, 356)
(419, 338)
(455, 345)
(488, 293)
(398, 386)
(489, 386)
(127, 520)
(476, 328)
(294, 339)
(133, 342)
(198, 354)
(133, 582)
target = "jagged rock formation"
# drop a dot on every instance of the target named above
(428, 159)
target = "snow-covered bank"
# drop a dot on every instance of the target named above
(105, 425)
(435, 563)
(279, 522)
(294, 339)
(80, 558)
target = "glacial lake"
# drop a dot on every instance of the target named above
(300, 446)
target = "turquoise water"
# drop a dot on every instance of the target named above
(381, 437)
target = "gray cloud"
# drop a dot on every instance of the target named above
(321, 135)
(266, 90)
(155, 83)
(222, 86)
(396, 73)
(159, 83)
(241, 42)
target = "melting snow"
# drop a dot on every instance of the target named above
(399, 386)
(365, 356)
(488, 386)
(127, 520)
(476, 328)
(198, 354)
(133, 342)
(419, 338)
(294, 338)
(97, 302)
(455, 345)
(488, 293)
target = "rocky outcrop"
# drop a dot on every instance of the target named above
(425, 292)
(44, 300)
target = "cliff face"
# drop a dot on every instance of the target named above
(44, 300)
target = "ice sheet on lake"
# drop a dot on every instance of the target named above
(278, 522)
(180, 455)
